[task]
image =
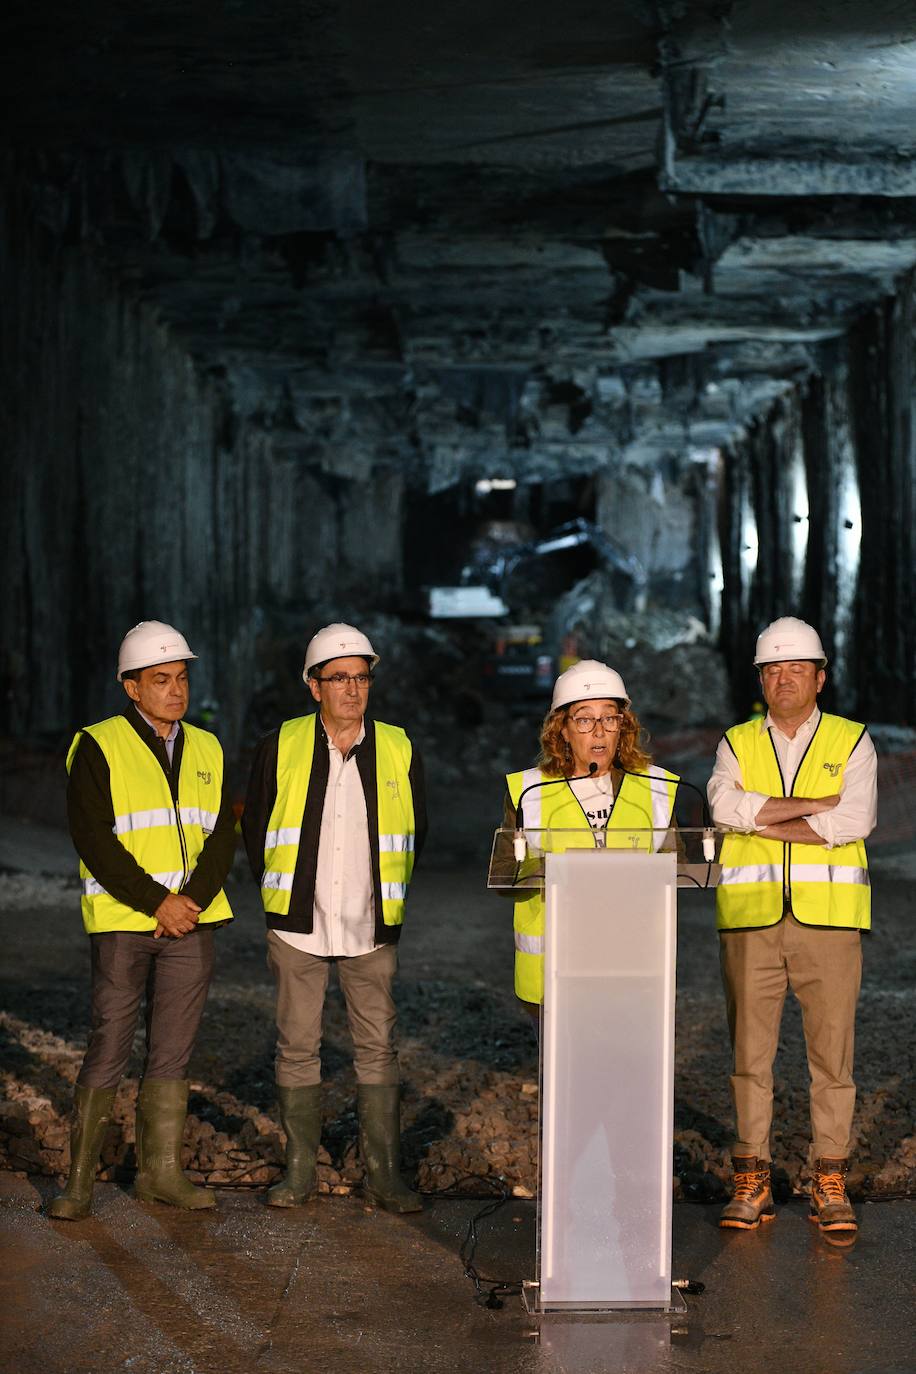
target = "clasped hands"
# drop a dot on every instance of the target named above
(175, 916)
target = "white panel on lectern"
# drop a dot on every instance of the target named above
(607, 1049)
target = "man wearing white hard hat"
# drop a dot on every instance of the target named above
(798, 792)
(334, 819)
(593, 775)
(151, 819)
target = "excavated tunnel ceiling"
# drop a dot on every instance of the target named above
(399, 233)
(328, 198)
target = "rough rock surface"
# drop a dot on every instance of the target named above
(469, 1069)
(673, 671)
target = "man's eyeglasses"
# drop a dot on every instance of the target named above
(586, 724)
(342, 679)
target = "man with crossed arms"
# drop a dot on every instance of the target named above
(798, 792)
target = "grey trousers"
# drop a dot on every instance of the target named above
(175, 976)
(302, 981)
(824, 970)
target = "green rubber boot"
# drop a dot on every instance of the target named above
(300, 1116)
(162, 1105)
(91, 1115)
(380, 1141)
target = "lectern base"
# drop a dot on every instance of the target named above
(531, 1298)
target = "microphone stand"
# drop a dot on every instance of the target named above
(519, 843)
(709, 836)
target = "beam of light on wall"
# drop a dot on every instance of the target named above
(709, 457)
(485, 485)
(750, 551)
(716, 576)
(800, 524)
(849, 546)
(850, 523)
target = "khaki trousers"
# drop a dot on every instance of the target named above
(824, 970)
(302, 981)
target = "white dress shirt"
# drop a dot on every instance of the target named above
(344, 912)
(854, 816)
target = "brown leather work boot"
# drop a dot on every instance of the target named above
(752, 1200)
(830, 1207)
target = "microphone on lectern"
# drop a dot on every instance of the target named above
(709, 834)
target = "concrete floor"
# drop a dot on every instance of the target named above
(338, 1287)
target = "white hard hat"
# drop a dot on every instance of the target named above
(150, 642)
(337, 641)
(588, 680)
(788, 639)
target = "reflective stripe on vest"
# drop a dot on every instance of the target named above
(280, 882)
(288, 835)
(295, 753)
(170, 880)
(642, 801)
(165, 843)
(395, 844)
(165, 815)
(825, 887)
(805, 873)
(393, 892)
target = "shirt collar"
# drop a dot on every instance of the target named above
(356, 743)
(166, 739)
(806, 729)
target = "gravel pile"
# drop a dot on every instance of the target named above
(42, 892)
(674, 673)
(468, 1054)
(468, 1125)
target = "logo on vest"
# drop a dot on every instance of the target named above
(832, 768)
(205, 776)
(393, 788)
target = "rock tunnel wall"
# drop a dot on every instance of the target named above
(817, 515)
(139, 482)
(881, 395)
(133, 491)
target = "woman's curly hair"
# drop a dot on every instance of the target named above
(556, 756)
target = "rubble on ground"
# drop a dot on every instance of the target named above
(673, 671)
(468, 1054)
(469, 1121)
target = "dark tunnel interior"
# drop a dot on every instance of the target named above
(584, 330)
(513, 335)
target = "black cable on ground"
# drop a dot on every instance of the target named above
(488, 1292)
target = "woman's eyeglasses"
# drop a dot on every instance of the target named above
(586, 724)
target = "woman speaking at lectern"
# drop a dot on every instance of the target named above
(593, 776)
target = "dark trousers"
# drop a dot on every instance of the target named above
(174, 975)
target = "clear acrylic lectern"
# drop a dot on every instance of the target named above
(607, 1057)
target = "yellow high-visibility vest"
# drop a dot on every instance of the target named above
(295, 752)
(762, 878)
(165, 843)
(642, 802)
